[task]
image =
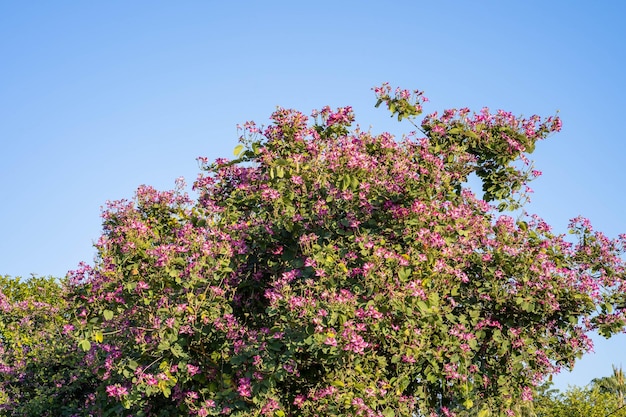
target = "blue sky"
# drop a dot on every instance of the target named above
(97, 98)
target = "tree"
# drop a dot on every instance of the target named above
(328, 270)
(614, 384)
(41, 373)
(587, 401)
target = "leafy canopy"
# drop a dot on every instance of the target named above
(328, 270)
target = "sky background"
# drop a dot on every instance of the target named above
(97, 98)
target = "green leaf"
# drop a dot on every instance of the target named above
(345, 182)
(108, 314)
(423, 307)
(177, 350)
(471, 134)
(238, 150)
(484, 412)
(404, 273)
(85, 345)
(164, 345)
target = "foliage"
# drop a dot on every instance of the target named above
(332, 271)
(39, 361)
(579, 402)
(614, 384)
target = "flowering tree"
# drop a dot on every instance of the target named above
(332, 271)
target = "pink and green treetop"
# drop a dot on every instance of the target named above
(330, 271)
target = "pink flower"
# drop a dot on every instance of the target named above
(269, 407)
(299, 400)
(330, 341)
(150, 379)
(357, 344)
(67, 329)
(438, 129)
(244, 389)
(527, 394)
(192, 369)
(116, 391)
(270, 194)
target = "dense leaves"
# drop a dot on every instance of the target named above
(41, 373)
(332, 271)
(588, 401)
(614, 384)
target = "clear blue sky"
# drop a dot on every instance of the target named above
(97, 98)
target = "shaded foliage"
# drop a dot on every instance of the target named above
(40, 365)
